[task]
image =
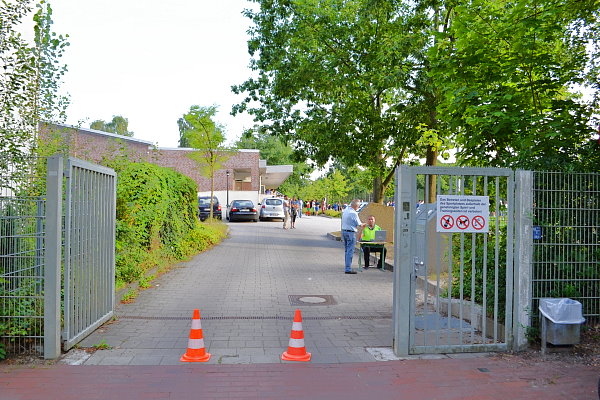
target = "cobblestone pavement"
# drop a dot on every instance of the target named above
(245, 290)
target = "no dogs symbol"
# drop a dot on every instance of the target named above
(462, 222)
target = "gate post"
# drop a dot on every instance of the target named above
(522, 263)
(52, 258)
(403, 269)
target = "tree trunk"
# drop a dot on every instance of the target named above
(212, 190)
(431, 160)
(378, 190)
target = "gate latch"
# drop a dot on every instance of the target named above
(419, 270)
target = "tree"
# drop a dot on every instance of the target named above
(344, 80)
(31, 76)
(203, 134)
(337, 187)
(118, 125)
(507, 70)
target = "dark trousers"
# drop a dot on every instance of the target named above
(367, 250)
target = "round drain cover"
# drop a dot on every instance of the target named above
(312, 299)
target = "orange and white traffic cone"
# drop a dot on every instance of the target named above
(195, 351)
(296, 350)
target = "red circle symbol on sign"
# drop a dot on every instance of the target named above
(478, 222)
(447, 221)
(462, 222)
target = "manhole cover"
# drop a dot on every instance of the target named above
(311, 299)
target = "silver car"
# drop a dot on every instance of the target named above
(271, 208)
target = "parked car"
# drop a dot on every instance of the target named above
(204, 208)
(271, 208)
(242, 210)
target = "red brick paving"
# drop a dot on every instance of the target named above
(507, 379)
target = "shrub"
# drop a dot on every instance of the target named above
(333, 213)
(157, 220)
(490, 276)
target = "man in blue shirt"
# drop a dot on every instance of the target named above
(350, 224)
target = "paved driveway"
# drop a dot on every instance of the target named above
(245, 289)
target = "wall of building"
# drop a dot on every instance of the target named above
(96, 146)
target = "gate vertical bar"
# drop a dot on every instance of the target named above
(52, 262)
(508, 316)
(524, 246)
(403, 267)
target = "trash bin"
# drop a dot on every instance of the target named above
(561, 321)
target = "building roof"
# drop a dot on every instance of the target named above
(272, 176)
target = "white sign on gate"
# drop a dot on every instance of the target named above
(463, 213)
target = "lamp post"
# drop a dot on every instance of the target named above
(227, 187)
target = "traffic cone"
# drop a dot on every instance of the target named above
(195, 351)
(296, 350)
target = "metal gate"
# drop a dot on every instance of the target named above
(453, 283)
(88, 257)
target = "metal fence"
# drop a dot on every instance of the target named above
(39, 246)
(22, 222)
(566, 245)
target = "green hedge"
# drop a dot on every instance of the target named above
(157, 220)
(333, 213)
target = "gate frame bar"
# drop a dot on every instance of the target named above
(53, 257)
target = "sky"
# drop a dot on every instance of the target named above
(150, 60)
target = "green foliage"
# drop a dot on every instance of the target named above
(144, 281)
(129, 296)
(334, 187)
(341, 80)
(31, 74)
(333, 213)
(102, 345)
(200, 132)
(156, 219)
(26, 303)
(507, 72)
(118, 125)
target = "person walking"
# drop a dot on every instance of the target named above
(286, 211)
(293, 212)
(350, 224)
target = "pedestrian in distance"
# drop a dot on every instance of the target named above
(293, 212)
(350, 225)
(286, 212)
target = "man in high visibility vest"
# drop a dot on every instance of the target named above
(368, 235)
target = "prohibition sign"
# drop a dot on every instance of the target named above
(462, 222)
(478, 222)
(447, 222)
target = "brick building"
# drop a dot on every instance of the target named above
(243, 174)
